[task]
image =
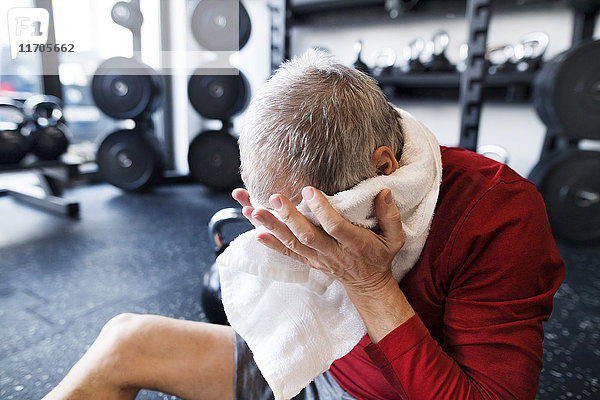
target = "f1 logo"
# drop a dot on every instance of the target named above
(27, 26)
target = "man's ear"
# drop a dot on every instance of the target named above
(384, 161)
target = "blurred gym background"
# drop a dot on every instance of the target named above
(117, 158)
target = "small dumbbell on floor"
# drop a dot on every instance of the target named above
(47, 130)
(13, 145)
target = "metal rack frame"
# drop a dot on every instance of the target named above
(470, 84)
(471, 80)
(54, 177)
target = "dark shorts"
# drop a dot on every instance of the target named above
(250, 384)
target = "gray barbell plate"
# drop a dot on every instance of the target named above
(124, 88)
(221, 25)
(570, 184)
(218, 96)
(567, 92)
(214, 160)
(130, 160)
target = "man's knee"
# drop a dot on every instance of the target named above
(122, 324)
(122, 328)
(121, 338)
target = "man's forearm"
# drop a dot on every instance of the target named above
(382, 309)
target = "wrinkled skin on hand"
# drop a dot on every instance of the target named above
(359, 258)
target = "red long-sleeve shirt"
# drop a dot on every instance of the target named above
(481, 289)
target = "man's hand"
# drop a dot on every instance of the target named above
(359, 258)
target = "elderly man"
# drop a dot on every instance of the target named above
(464, 322)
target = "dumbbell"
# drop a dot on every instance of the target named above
(438, 61)
(385, 59)
(499, 59)
(47, 131)
(11, 111)
(414, 51)
(211, 286)
(397, 7)
(529, 51)
(13, 145)
(44, 110)
(359, 63)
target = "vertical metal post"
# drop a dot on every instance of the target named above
(584, 24)
(137, 30)
(280, 38)
(471, 80)
(50, 77)
(167, 114)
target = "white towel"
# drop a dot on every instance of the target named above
(297, 320)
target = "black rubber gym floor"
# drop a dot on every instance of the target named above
(61, 280)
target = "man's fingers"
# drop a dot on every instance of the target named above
(304, 230)
(282, 233)
(273, 243)
(332, 222)
(241, 196)
(247, 212)
(389, 219)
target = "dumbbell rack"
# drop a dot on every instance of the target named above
(53, 178)
(511, 87)
(505, 86)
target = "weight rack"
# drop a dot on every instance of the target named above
(470, 87)
(54, 177)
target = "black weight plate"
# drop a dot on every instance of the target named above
(218, 96)
(49, 143)
(214, 160)
(130, 160)
(567, 92)
(570, 185)
(221, 25)
(125, 89)
(13, 146)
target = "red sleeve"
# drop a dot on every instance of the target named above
(503, 272)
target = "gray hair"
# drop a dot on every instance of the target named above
(315, 122)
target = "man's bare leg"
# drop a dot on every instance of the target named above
(192, 360)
